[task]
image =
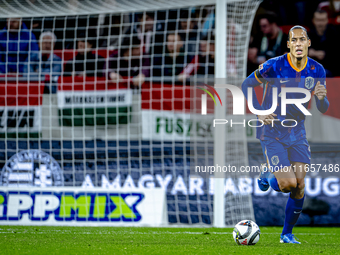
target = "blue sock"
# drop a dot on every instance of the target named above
(273, 182)
(293, 211)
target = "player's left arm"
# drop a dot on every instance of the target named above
(320, 93)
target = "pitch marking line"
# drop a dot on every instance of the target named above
(140, 233)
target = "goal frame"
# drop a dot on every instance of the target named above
(86, 7)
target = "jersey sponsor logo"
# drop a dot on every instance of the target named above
(275, 160)
(283, 81)
(309, 82)
(31, 168)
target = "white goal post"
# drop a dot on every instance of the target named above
(233, 22)
(221, 155)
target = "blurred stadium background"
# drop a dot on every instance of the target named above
(99, 94)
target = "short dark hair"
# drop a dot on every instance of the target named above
(270, 16)
(87, 36)
(208, 37)
(321, 11)
(297, 27)
(150, 14)
(186, 14)
(129, 42)
(172, 32)
(141, 14)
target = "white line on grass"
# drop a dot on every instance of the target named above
(142, 233)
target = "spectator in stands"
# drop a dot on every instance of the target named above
(208, 19)
(16, 43)
(332, 7)
(173, 62)
(206, 58)
(323, 41)
(111, 27)
(86, 63)
(272, 42)
(150, 34)
(44, 62)
(292, 11)
(188, 30)
(128, 63)
(252, 57)
(204, 62)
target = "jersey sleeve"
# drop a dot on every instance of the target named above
(267, 70)
(321, 76)
(322, 105)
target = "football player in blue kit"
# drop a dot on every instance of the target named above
(286, 149)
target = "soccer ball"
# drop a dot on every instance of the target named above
(246, 232)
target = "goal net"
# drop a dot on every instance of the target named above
(99, 94)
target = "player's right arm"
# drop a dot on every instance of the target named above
(256, 79)
(250, 82)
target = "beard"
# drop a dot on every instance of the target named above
(299, 58)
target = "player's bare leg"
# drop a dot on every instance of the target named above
(286, 179)
(300, 173)
(282, 180)
(291, 179)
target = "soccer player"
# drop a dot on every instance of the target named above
(286, 149)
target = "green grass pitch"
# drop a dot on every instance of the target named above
(114, 240)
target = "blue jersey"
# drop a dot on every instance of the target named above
(279, 72)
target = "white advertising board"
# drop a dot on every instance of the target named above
(82, 207)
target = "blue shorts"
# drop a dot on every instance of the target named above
(279, 154)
